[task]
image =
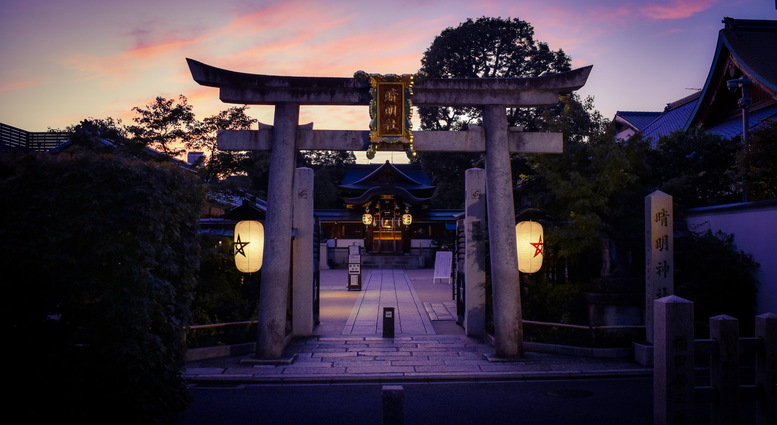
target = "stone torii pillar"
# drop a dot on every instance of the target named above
(494, 95)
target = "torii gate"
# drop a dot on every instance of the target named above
(286, 136)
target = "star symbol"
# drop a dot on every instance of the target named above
(240, 246)
(537, 247)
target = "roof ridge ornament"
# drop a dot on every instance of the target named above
(391, 111)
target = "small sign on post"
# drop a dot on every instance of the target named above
(659, 253)
(354, 268)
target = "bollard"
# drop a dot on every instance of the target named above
(673, 361)
(388, 322)
(393, 397)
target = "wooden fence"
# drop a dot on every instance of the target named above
(15, 138)
(675, 389)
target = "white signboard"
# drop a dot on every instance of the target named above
(443, 264)
(354, 259)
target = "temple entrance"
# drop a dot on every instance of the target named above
(386, 237)
(387, 233)
(387, 96)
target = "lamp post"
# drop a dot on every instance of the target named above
(744, 102)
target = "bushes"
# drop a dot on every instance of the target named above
(105, 252)
(717, 277)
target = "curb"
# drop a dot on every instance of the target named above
(237, 379)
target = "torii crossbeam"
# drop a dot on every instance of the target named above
(285, 136)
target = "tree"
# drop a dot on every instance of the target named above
(591, 192)
(759, 163)
(697, 168)
(328, 169)
(484, 48)
(164, 124)
(220, 164)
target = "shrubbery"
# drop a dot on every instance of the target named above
(100, 256)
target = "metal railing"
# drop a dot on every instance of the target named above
(583, 327)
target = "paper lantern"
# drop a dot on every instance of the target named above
(249, 246)
(367, 219)
(407, 219)
(528, 238)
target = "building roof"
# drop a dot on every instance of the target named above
(253, 209)
(407, 182)
(744, 48)
(673, 118)
(636, 120)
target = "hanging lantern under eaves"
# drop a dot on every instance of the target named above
(367, 219)
(528, 238)
(407, 219)
(249, 246)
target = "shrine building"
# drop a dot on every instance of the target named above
(385, 212)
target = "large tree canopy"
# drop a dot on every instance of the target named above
(486, 48)
(483, 48)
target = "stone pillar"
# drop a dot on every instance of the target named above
(475, 252)
(274, 293)
(508, 329)
(393, 401)
(659, 257)
(673, 386)
(724, 369)
(766, 369)
(302, 253)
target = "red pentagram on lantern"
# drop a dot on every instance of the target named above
(538, 246)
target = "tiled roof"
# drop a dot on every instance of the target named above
(412, 175)
(754, 43)
(733, 127)
(672, 119)
(636, 119)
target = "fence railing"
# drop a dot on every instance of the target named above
(16, 138)
(675, 351)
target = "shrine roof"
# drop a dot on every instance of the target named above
(672, 119)
(365, 176)
(733, 127)
(254, 209)
(637, 120)
(744, 48)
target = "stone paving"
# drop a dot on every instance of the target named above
(415, 353)
(388, 288)
(425, 357)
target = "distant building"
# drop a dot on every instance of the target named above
(745, 49)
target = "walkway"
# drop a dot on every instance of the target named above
(428, 344)
(388, 288)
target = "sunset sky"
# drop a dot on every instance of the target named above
(66, 60)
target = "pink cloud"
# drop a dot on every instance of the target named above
(676, 9)
(19, 85)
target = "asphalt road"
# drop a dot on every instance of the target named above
(546, 402)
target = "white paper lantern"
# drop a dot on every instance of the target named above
(528, 238)
(407, 219)
(249, 246)
(367, 219)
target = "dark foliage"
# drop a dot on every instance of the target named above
(717, 277)
(104, 252)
